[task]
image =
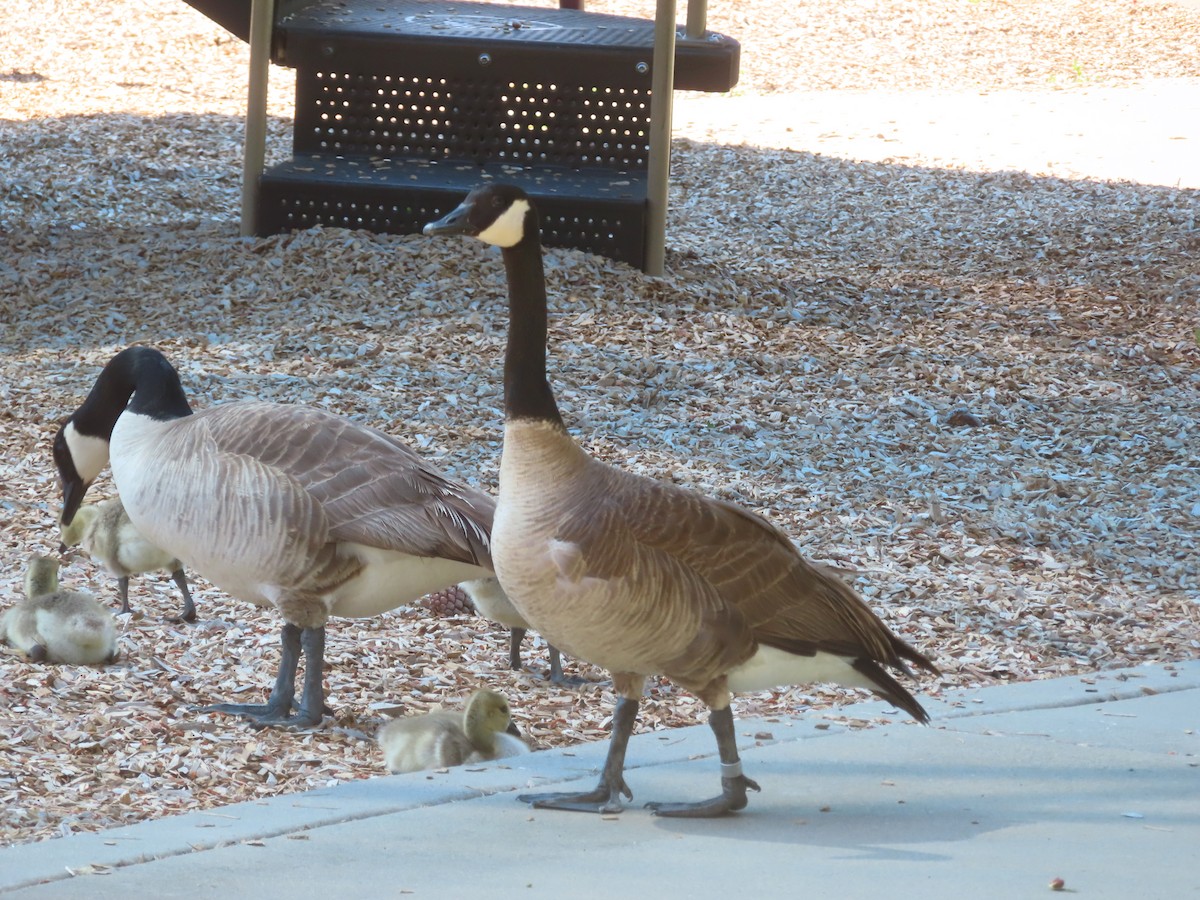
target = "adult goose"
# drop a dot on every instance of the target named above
(643, 577)
(284, 506)
(107, 535)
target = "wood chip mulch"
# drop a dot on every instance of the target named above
(976, 389)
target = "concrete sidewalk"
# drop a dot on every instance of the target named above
(1096, 781)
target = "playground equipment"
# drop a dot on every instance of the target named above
(403, 106)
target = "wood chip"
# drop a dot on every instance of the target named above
(971, 387)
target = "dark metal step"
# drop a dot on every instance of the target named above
(599, 211)
(306, 27)
(322, 29)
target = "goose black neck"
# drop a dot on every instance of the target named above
(137, 378)
(527, 393)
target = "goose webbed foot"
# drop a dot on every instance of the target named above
(731, 799)
(603, 798)
(733, 783)
(557, 676)
(271, 714)
(189, 607)
(278, 708)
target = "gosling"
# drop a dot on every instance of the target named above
(57, 626)
(483, 731)
(108, 536)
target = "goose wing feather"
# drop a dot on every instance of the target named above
(739, 576)
(368, 487)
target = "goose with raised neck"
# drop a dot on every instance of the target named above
(643, 577)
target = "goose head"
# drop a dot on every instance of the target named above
(71, 534)
(498, 214)
(487, 714)
(41, 578)
(81, 446)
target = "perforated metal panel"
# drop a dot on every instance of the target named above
(448, 117)
(588, 210)
(403, 106)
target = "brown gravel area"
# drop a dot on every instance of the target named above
(975, 383)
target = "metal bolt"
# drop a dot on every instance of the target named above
(642, 68)
(485, 59)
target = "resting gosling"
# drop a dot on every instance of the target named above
(483, 731)
(106, 534)
(644, 577)
(57, 626)
(290, 507)
(492, 603)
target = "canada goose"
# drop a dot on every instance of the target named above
(107, 534)
(479, 733)
(644, 577)
(52, 625)
(284, 506)
(492, 603)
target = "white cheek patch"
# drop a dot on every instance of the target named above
(90, 454)
(509, 228)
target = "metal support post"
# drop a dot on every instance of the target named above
(697, 19)
(662, 87)
(262, 16)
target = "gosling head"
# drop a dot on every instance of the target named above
(491, 710)
(41, 577)
(72, 534)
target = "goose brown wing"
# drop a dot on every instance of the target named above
(753, 567)
(373, 489)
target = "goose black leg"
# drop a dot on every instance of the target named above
(279, 705)
(515, 636)
(312, 704)
(123, 590)
(556, 672)
(189, 607)
(605, 797)
(733, 783)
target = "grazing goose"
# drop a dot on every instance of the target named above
(107, 534)
(52, 625)
(492, 603)
(283, 506)
(483, 731)
(643, 577)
